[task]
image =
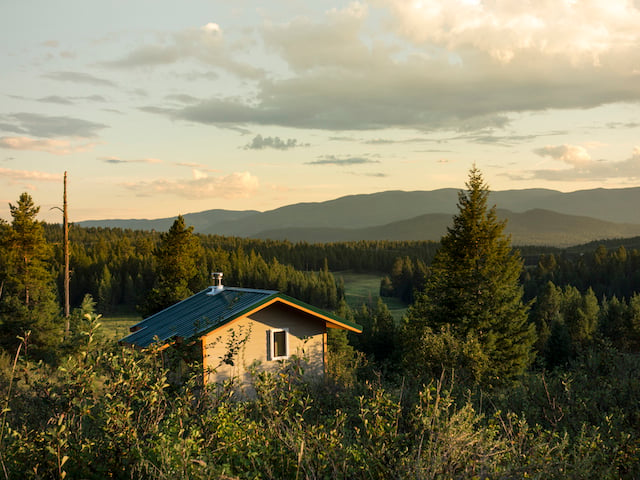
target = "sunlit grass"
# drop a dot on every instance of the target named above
(117, 326)
(364, 288)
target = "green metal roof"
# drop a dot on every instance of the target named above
(209, 309)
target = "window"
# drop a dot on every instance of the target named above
(279, 344)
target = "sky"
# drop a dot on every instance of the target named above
(156, 108)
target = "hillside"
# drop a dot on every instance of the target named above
(535, 227)
(580, 217)
(202, 221)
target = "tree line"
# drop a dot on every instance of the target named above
(128, 271)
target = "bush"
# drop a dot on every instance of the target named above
(109, 411)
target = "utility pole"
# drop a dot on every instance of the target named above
(65, 248)
(65, 228)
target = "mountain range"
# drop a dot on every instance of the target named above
(534, 217)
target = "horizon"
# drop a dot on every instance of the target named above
(161, 217)
(256, 106)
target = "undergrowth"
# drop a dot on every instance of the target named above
(110, 411)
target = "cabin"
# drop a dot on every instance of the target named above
(229, 329)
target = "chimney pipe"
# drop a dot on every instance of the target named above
(217, 283)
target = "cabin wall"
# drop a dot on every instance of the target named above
(230, 350)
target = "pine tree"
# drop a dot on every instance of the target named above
(177, 272)
(474, 289)
(28, 302)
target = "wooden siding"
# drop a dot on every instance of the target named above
(249, 335)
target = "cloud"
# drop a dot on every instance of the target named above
(584, 32)
(193, 165)
(333, 160)
(182, 98)
(116, 160)
(508, 140)
(615, 125)
(21, 175)
(424, 93)
(48, 126)
(259, 143)
(306, 44)
(205, 44)
(69, 100)
(56, 99)
(80, 77)
(54, 146)
(91, 98)
(199, 174)
(381, 141)
(571, 154)
(444, 65)
(581, 169)
(374, 175)
(235, 185)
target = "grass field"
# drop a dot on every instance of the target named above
(365, 288)
(117, 326)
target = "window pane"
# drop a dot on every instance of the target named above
(280, 344)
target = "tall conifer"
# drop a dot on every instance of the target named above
(28, 302)
(177, 270)
(474, 291)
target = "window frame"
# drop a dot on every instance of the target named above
(272, 343)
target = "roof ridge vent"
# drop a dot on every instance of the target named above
(217, 283)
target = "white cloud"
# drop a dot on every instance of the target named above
(333, 42)
(581, 168)
(54, 146)
(21, 175)
(212, 28)
(582, 31)
(192, 165)
(198, 174)
(575, 155)
(481, 62)
(235, 185)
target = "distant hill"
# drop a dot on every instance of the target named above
(536, 217)
(201, 221)
(535, 227)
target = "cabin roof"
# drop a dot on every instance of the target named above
(214, 307)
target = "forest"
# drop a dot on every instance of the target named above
(507, 363)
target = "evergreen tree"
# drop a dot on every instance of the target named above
(28, 303)
(177, 271)
(580, 312)
(474, 288)
(546, 311)
(383, 341)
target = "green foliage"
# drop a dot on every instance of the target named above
(608, 273)
(379, 337)
(110, 412)
(567, 322)
(28, 300)
(474, 287)
(406, 277)
(435, 352)
(177, 257)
